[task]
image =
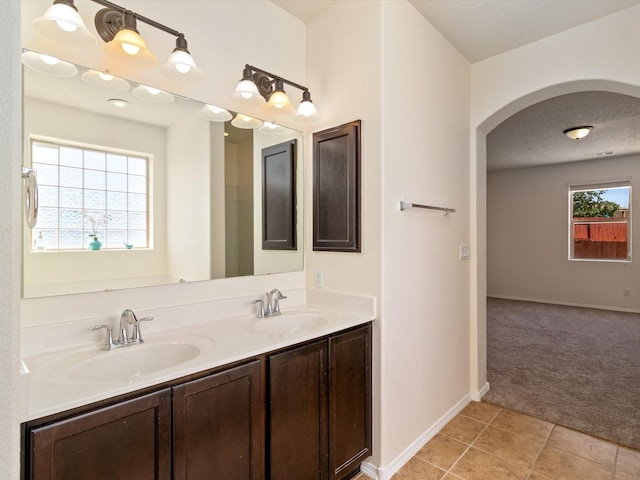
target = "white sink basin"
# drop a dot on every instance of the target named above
(124, 364)
(291, 321)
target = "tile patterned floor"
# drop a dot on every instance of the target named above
(486, 442)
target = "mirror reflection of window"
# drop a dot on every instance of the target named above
(87, 193)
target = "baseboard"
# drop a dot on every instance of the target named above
(388, 471)
(477, 395)
(566, 304)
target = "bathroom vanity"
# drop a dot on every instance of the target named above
(295, 405)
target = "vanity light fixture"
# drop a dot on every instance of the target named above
(48, 65)
(117, 26)
(257, 83)
(105, 81)
(576, 133)
(62, 23)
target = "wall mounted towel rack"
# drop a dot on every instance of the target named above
(404, 205)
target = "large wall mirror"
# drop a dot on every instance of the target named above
(170, 188)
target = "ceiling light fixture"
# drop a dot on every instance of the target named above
(576, 133)
(259, 85)
(117, 26)
(118, 102)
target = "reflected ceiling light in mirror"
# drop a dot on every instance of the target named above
(127, 46)
(152, 95)
(245, 121)
(105, 81)
(576, 133)
(215, 114)
(62, 23)
(271, 88)
(271, 128)
(48, 65)
(181, 65)
(118, 102)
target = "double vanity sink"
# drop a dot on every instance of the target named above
(78, 375)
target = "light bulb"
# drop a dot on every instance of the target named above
(105, 76)
(66, 26)
(130, 48)
(153, 91)
(183, 67)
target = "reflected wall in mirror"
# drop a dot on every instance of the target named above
(172, 192)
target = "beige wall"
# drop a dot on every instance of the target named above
(528, 237)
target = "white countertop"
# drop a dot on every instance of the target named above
(217, 342)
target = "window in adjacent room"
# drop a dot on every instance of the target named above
(600, 222)
(86, 191)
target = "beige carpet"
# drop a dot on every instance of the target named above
(576, 367)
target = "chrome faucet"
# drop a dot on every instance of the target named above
(126, 318)
(272, 306)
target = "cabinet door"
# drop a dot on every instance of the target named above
(131, 439)
(298, 413)
(349, 401)
(218, 426)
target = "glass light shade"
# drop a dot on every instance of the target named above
(48, 65)
(271, 128)
(279, 101)
(61, 23)
(129, 48)
(246, 90)
(215, 114)
(307, 110)
(576, 133)
(152, 95)
(181, 66)
(105, 81)
(245, 121)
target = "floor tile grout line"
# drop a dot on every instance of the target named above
(449, 471)
(544, 444)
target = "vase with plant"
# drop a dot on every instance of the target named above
(97, 221)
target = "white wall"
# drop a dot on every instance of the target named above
(425, 286)
(507, 83)
(45, 271)
(189, 163)
(528, 236)
(385, 64)
(10, 234)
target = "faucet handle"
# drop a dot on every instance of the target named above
(276, 301)
(108, 343)
(261, 314)
(136, 334)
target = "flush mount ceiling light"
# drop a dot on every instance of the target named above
(48, 65)
(62, 23)
(258, 85)
(152, 95)
(215, 114)
(245, 121)
(117, 26)
(118, 102)
(576, 133)
(105, 81)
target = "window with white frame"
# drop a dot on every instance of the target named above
(87, 192)
(600, 222)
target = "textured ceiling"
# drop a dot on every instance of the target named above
(534, 136)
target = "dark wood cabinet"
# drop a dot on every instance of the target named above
(129, 440)
(319, 415)
(298, 413)
(349, 401)
(218, 426)
(311, 422)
